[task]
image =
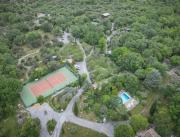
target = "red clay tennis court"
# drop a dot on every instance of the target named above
(47, 85)
(56, 79)
(38, 88)
(42, 86)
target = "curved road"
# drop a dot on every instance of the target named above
(66, 116)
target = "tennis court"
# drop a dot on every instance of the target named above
(47, 85)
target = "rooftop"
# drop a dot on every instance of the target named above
(106, 14)
(148, 133)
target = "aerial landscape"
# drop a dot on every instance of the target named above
(89, 68)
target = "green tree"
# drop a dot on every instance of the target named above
(175, 60)
(11, 34)
(106, 99)
(9, 95)
(153, 78)
(47, 27)
(51, 124)
(175, 111)
(126, 59)
(82, 79)
(129, 82)
(40, 99)
(31, 128)
(163, 122)
(102, 43)
(124, 131)
(76, 110)
(34, 39)
(38, 73)
(140, 73)
(76, 31)
(138, 122)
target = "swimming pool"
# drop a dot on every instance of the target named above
(124, 96)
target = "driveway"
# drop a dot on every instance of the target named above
(66, 116)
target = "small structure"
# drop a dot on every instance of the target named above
(94, 23)
(95, 86)
(70, 61)
(148, 133)
(109, 52)
(77, 67)
(40, 15)
(105, 15)
(127, 100)
(54, 57)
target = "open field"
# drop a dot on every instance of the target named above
(72, 130)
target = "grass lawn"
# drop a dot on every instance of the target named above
(145, 108)
(61, 100)
(72, 130)
(87, 48)
(56, 104)
(100, 70)
(51, 125)
(82, 113)
(73, 51)
(10, 125)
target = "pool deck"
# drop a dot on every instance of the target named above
(131, 103)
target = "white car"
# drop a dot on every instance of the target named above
(77, 67)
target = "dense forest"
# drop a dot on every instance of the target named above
(144, 59)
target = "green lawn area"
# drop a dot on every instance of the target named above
(10, 127)
(144, 108)
(51, 125)
(73, 51)
(61, 100)
(100, 70)
(82, 110)
(72, 130)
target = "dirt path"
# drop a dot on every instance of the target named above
(108, 38)
(28, 55)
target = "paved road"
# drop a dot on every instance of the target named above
(106, 128)
(84, 62)
(44, 118)
(66, 116)
(64, 38)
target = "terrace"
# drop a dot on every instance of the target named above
(127, 100)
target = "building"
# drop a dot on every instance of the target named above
(148, 133)
(105, 15)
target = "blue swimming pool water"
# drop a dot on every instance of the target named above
(124, 96)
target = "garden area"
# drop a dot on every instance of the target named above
(70, 130)
(51, 126)
(60, 101)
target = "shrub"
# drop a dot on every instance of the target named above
(175, 60)
(34, 39)
(51, 125)
(138, 122)
(124, 131)
(47, 27)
